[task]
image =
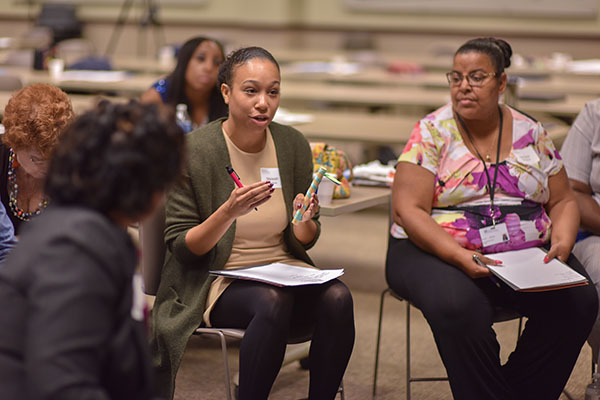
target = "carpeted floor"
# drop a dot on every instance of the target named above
(357, 242)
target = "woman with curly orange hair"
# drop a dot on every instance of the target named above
(34, 119)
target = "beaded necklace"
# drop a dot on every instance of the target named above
(13, 191)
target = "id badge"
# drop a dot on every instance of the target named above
(492, 235)
(271, 175)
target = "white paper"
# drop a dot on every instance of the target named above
(286, 117)
(591, 66)
(374, 171)
(94, 76)
(324, 67)
(525, 270)
(280, 274)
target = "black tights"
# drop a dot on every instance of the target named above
(274, 316)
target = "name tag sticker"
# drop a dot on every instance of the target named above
(491, 235)
(271, 175)
(138, 304)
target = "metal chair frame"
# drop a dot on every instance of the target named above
(409, 377)
(500, 317)
(291, 355)
(223, 334)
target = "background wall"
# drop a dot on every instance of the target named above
(321, 24)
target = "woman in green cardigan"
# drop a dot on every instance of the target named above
(213, 224)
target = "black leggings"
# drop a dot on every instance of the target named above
(459, 311)
(274, 316)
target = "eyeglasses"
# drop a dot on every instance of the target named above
(474, 79)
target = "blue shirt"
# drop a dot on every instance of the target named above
(7, 234)
(162, 86)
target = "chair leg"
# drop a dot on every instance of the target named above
(408, 376)
(226, 364)
(594, 364)
(378, 343)
(341, 390)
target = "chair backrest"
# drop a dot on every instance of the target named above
(73, 50)
(62, 19)
(153, 248)
(38, 37)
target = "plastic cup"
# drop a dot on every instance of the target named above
(325, 191)
(56, 67)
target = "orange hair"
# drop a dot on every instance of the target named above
(35, 117)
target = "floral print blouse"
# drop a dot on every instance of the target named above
(461, 198)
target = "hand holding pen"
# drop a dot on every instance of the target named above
(245, 198)
(474, 267)
(479, 261)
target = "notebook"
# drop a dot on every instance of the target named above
(525, 271)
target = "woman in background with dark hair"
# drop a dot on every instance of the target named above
(69, 327)
(193, 82)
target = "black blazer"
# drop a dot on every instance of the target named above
(66, 327)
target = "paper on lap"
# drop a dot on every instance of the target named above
(525, 270)
(280, 274)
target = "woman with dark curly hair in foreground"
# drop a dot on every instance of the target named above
(69, 328)
(34, 119)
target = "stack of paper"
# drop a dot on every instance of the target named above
(323, 67)
(95, 76)
(283, 116)
(373, 173)
(591, 66)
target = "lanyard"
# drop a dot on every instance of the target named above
(491, 188)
